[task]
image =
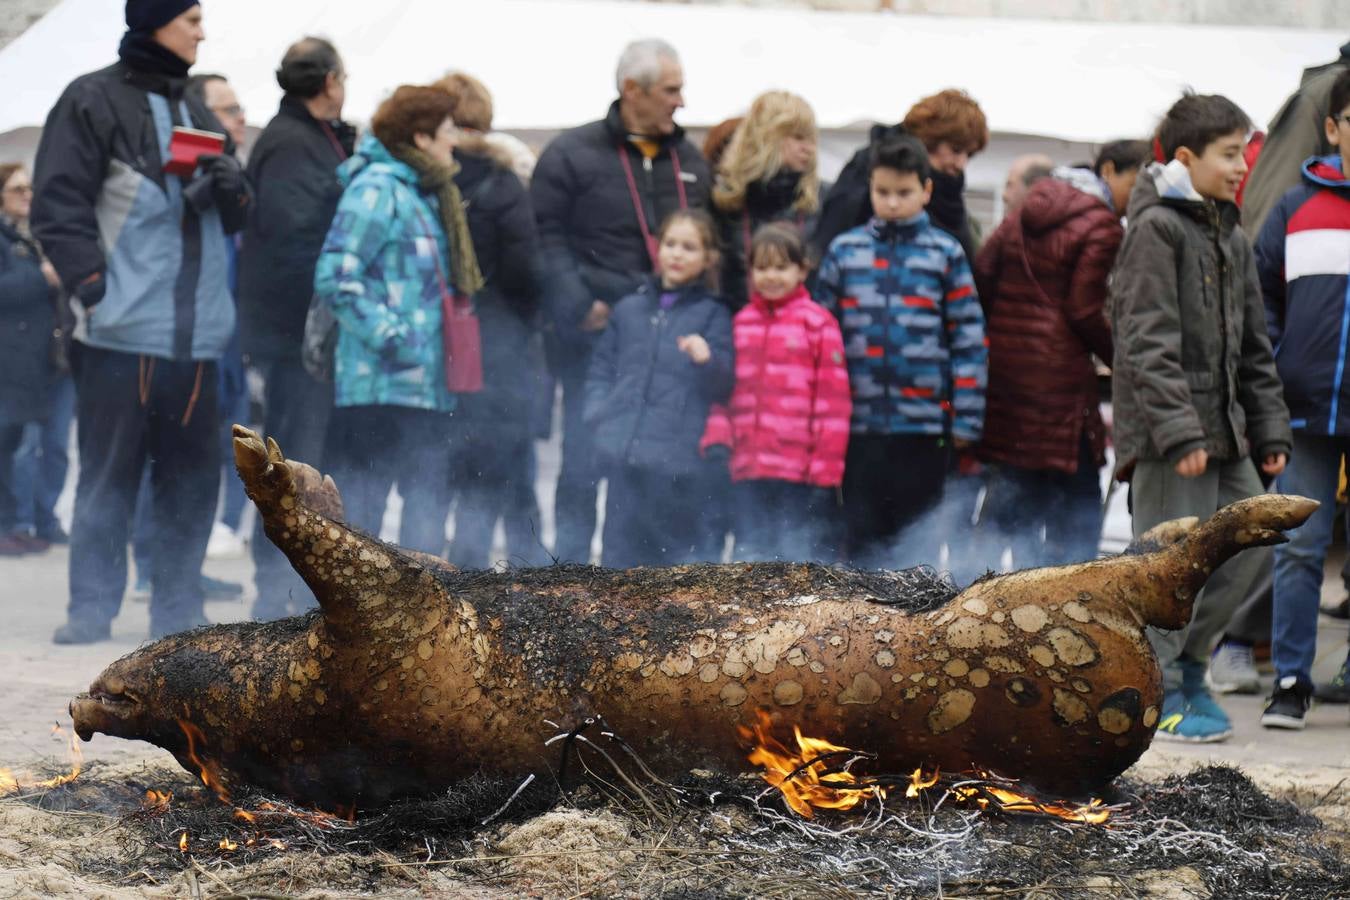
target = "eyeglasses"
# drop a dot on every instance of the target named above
(1343, 117)
(232, 110)
(22, 190)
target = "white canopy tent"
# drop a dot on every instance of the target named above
(549, 63)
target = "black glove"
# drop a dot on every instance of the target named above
(227, 176)
(718, 454)
(90, 291)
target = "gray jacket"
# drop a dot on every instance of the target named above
(1295, 134)
(1193, 364)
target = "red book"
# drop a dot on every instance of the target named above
(187, 145)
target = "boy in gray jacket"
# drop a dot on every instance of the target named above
(1194, 390)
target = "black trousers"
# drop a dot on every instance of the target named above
(652, 518)
(372, 448)
(781, 520)
(492, 478)
(578, 480)
(891, 482)
(132, 408)
(11, 436)
(296, 408)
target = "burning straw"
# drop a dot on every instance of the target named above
(617, 830)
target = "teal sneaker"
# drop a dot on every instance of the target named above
(1183, 722)
(1337, 690)
(1195, 687)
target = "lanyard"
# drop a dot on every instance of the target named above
(647, 238)
(332, 139)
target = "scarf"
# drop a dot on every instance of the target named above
(142, 53)
(439, 179)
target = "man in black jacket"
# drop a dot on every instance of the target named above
(600, 193)
(143, 251)
(293, 168)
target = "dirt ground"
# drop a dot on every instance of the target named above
(1311, 768)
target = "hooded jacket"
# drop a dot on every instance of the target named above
(788, 416)
(102, 206)
(592, 245)
(1295, 134)
(381, 269)
(1193, 366)
(646, 401)
(1042, 281)
(1303, 257)
(294, 171)
(912, 327)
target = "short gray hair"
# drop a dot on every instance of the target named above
(641, 62)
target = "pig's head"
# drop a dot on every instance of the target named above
(215, 678)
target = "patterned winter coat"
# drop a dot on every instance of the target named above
(1303, 258)
(912, 327)
(789, 413)
(378, 270)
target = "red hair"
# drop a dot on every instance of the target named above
(952, 117)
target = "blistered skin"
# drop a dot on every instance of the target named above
(413, 676)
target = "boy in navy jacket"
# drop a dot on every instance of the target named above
(1303, 257)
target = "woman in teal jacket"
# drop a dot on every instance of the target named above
(397, 245)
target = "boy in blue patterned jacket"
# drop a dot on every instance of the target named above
(917, 360)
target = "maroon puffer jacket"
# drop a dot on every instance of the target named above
(1042, 280)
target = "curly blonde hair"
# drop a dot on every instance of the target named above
(755, 151)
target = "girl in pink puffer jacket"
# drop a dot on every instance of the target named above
(785, 429)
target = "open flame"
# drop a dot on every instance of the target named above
(208, 772)
(817, 776)
(10, 782)
(801, 776)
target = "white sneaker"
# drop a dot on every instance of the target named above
(1232, 670)
(224, 543)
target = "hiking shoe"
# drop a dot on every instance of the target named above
(1340, 610)
(1337, 690)
(1232, 669)
(1289, 704)
(82, 631)
(1182, 722)
(215, 589)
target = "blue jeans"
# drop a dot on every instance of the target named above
(42, 460)
(1313, 470)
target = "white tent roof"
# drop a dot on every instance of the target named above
(550, 63)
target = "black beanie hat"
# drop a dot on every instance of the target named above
(150, 15)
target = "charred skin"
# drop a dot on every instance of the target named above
(413, 676)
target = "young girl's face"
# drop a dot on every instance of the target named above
(774, 276)
(683, 255)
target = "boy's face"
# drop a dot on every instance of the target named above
(1217, 172)
(898, 195)
(1338, 135)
